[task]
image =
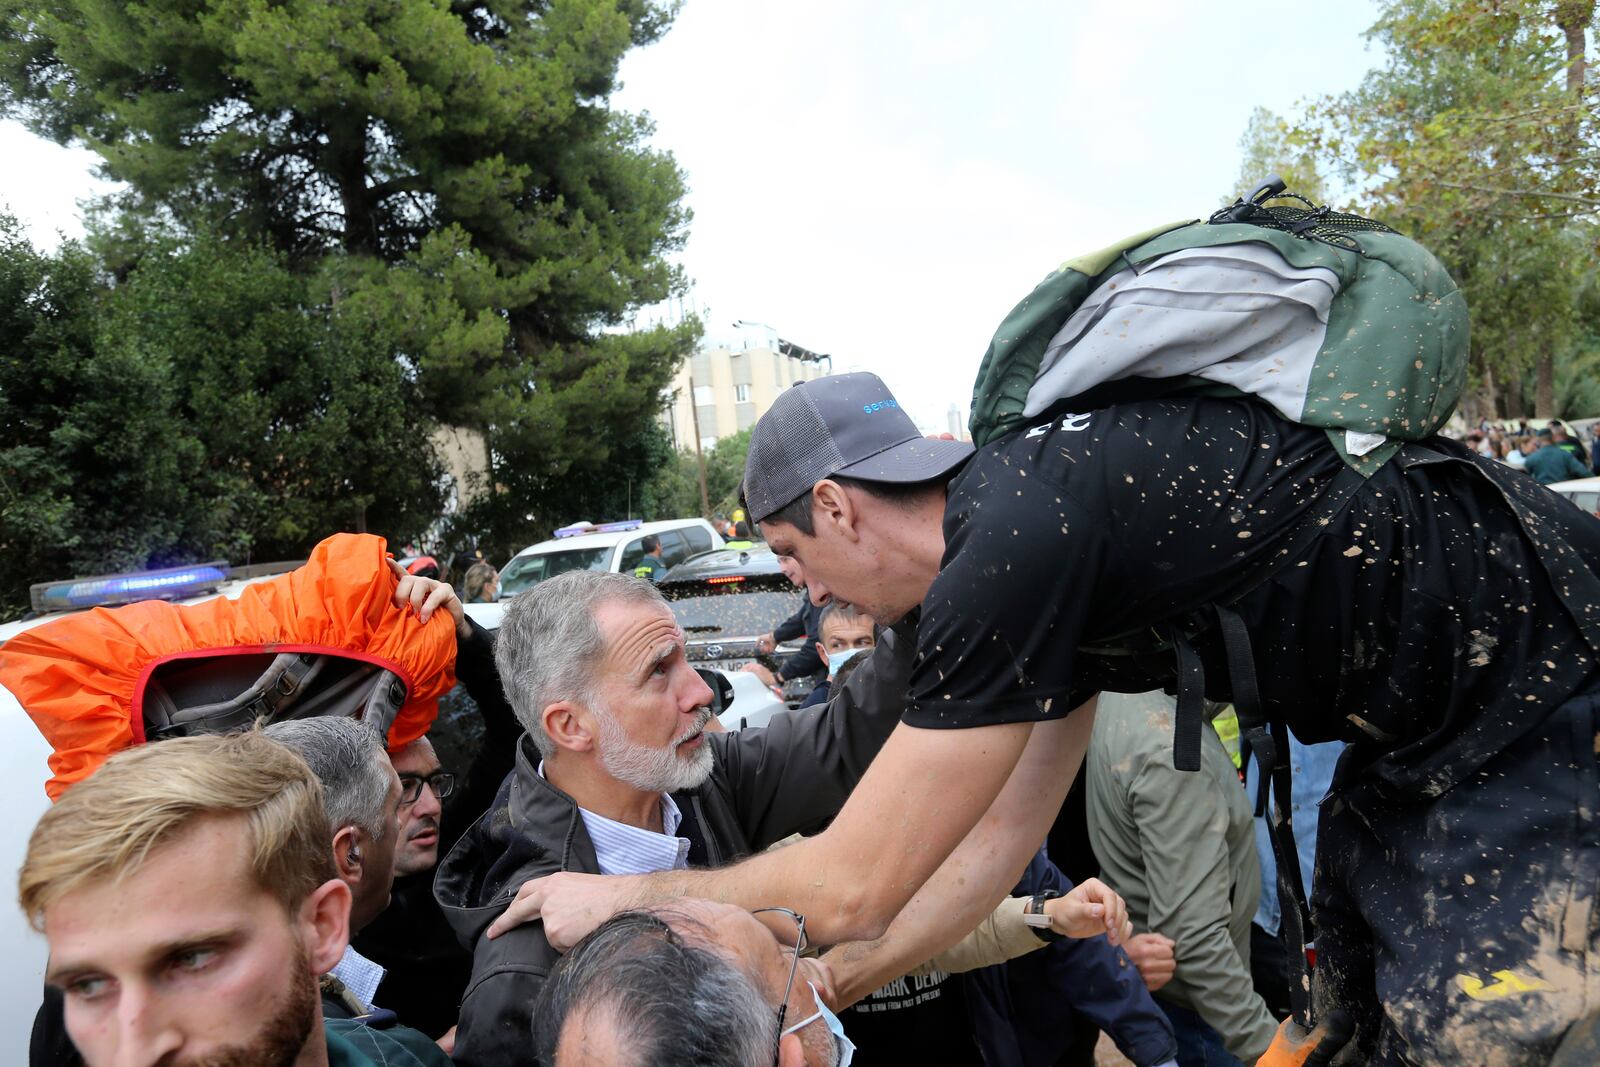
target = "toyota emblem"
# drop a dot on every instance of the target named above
(713, 651)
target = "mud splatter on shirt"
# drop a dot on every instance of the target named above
(1420, 625)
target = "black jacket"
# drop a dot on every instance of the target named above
(807, 622)
(1025, 1011)
(791, 776)
(427, 967)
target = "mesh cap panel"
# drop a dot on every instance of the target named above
(843, 424)
(791, 449)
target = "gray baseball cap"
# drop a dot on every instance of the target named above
(844, 424)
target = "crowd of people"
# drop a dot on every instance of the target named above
(953, 853)
(1549, 454)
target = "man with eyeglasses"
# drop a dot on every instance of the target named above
(426, 969)
(692, 982)
(424, 785)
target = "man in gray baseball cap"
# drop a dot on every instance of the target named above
(1209, 546)
(853, 499)
(845, 443)
(844, 425)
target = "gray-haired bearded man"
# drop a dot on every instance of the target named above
(618, 774)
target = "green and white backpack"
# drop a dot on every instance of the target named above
(1335, 320)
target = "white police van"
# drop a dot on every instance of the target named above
(611, 546)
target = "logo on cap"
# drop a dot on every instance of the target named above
(880, 405)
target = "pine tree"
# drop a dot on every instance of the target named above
(452, 169)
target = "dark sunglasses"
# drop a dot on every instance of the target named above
(443, 783)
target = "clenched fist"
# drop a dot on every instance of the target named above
(1152, 954)
(1092, 908)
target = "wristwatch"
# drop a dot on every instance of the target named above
(1033, 915)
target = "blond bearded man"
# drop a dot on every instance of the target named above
(191, 902)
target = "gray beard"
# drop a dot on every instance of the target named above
(653, 770)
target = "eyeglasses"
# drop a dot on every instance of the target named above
(443, 783)
(794, 966)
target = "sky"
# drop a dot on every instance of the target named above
(883, 181)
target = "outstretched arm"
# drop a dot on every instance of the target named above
(923, 794)
(983, 869)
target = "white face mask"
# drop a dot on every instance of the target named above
(844, 1048)
(840, 658)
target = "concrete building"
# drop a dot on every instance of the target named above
(734, 379)
(465, 457)
(956, 423)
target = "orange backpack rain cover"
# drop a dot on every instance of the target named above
(81, 678)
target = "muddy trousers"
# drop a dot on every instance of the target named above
(1462, 930)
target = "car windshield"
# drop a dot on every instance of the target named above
(732, 610)
(525, 572)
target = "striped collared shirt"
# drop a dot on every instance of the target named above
(624, 849)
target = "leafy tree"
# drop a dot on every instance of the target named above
(580, 440)
(674, 490)
(1577, 368)
(1270, 146)
(1577, 382)
(1478, 136)
(212, 405)
(366, 124)
(450, 174)
(97, 464)
(300, 401)
(725, 471)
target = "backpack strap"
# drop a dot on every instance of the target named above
(295, 685)
(1269, 746)
(253, 699)
(1255, 739)
(1191, 715)
(1294, 912)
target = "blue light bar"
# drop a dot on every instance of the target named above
(578, 529)
(171, 583)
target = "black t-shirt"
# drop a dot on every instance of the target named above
(914, 1020)
(1420, 623)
